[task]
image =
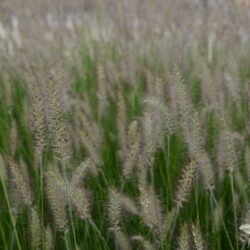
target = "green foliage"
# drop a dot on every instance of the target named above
(168, 163)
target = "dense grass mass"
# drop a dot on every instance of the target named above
(124, 125)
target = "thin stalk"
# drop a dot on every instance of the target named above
(66, 240)
(68, 201)
(174, 223)
(197, 200)
(152, 174)
(158, 219)
(92, 223)
(212, 208)
(234, 208)
(12, 240)
(122, 185)
(218, 239)
(11, 214)
(222, 221)
(3, 236)
(167, 160)
(104, 177)
(42, 197)
(153, 181)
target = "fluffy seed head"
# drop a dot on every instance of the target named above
(197, 237)
(184, 239)
(19, 177)
(35, 229)
(185, 184)
(56, 197)
(114, 209)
